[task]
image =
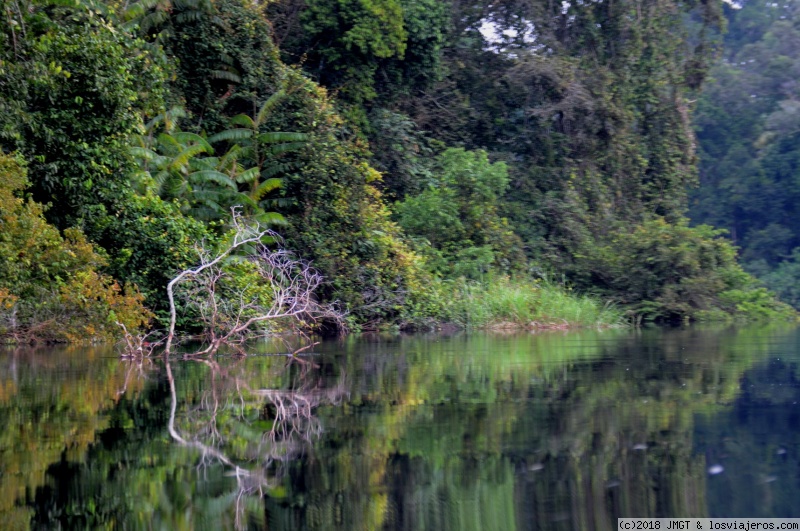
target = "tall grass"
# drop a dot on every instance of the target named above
(525, 303)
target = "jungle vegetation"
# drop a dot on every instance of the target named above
(748, 131)
(418, 153)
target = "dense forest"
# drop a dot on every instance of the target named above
(748, 130)
(436, 161)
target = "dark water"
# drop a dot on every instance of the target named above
(483, 432)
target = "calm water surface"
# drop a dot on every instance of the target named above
(462, 432)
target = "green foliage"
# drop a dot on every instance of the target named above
(225, 64)
(50, 287)
(261, 152)
(401, 152)
(455, 220)
(172, 166)
(676, 272)
(364, 48)
(155, 19)
(338, 220)
(584, 107)
(148, 241)
(747, 127)
(335, 216)
(784, 280)
(78, 85)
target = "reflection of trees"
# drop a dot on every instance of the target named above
(253, 432)
(758, 443)
(85, 447)
(52, 404)
(577, 430)
(518, 432)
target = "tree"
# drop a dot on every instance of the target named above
(260, 152)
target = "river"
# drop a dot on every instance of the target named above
(494, 432)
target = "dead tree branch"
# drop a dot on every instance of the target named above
(272, 286)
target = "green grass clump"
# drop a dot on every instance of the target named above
(503, 302)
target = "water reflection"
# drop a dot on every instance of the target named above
(555, 431)
(251, 431)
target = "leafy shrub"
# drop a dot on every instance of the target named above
(456, 222)
(676, 272)
(50, 287)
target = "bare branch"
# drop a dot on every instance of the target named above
(278, 288)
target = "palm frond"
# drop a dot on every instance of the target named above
(205, 163)
(266, 187)
(269, 105)
(248, 176)
(169, 142)
(245, 201)
(280, 202)
(203, 176)
(243, 120)
(277, 149)
(270, 218)
(282, 136)
(182, 159)
(233, 135)
(278, 168)
(142, 153)
(184, 137)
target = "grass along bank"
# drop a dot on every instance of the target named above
(503, 302)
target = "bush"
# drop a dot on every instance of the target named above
(455, 221)
(675, 272)
(50, 287)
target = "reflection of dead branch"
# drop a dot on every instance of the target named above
(292, 412)
(248, 482)
(138, 367)
(266, 451)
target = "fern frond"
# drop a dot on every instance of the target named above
(233, 77)
(189, 16)
(138, 9)
(173, 187)
(152, 20)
